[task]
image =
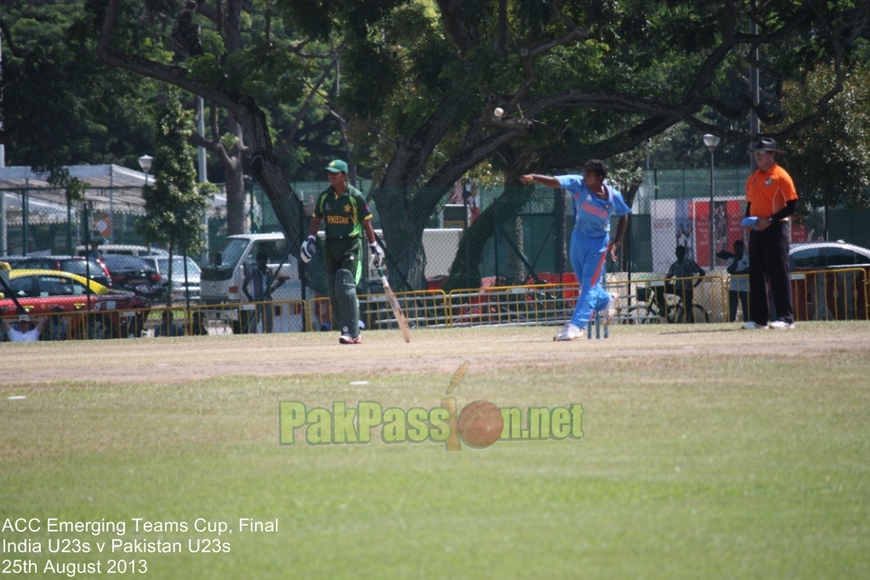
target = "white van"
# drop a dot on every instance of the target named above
(222, 278)
(126, 249)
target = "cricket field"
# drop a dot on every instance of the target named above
(663, 452)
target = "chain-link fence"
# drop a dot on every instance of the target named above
(529, 242)
(512, 244)
(35, 224)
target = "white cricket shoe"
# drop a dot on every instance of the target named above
(611, 308)
(781, 325)
(752, 326)
(346, 338)
(568, 332)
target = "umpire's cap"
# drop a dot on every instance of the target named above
(764, 144)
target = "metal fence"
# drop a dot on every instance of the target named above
(818, 295)
(671, 208)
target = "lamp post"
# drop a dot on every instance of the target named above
(145, 164)
(711, 141)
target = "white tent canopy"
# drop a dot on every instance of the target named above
(111, 189)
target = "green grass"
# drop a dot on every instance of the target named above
(697, 462)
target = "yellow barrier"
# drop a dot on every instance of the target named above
(833, 294)
(666, 300)
(531, 305)
(842, 294)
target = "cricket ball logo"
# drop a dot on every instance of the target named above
(480, 423)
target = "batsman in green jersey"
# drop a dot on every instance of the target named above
(346, 217)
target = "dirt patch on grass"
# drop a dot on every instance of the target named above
(171, 360)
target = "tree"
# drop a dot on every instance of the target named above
(59, 105)
(680, 62)
(175, 205)
(229, 78)
(830, 161)
(419, 89)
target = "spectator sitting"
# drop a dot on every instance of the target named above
(25, 330)
(685, 268)
(168, 326)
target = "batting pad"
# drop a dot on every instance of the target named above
(346, 303)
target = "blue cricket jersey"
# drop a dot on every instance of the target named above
(591, 213)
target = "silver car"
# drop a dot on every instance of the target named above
(161, 264)
(830, 280)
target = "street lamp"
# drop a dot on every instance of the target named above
(145, 164)
(711, 141)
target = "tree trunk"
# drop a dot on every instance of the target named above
(505, 207)
(271, 177)
(402, 239)
(235, 184)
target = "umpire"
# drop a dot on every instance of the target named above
(347, 217)
(771, 197)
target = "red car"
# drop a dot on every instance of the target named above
(75, 307)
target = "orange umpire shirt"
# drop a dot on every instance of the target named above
(769, 191)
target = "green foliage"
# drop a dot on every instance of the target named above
(229, 141)
(174, 204)
(830, 161)
(313, 17)
(372, 74)
(61, 107)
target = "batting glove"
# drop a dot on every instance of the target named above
(377, 255)
(308, 248)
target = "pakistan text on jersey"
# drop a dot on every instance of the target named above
(337, 219)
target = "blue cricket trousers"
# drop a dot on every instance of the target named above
(588, 256)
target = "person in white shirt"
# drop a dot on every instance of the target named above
(25, 330)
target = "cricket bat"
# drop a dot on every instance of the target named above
(394, 304)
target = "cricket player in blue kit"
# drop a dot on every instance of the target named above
(594, 203)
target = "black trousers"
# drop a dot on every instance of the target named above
(742, 296)
(768, 265)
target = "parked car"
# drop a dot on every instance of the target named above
(94, 269)
(75, 306)
(178, 284)
(134, 274)
(841, 292)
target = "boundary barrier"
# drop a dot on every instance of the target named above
(841, 294)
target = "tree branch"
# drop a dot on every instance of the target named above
(10, 42)
(174, 75)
